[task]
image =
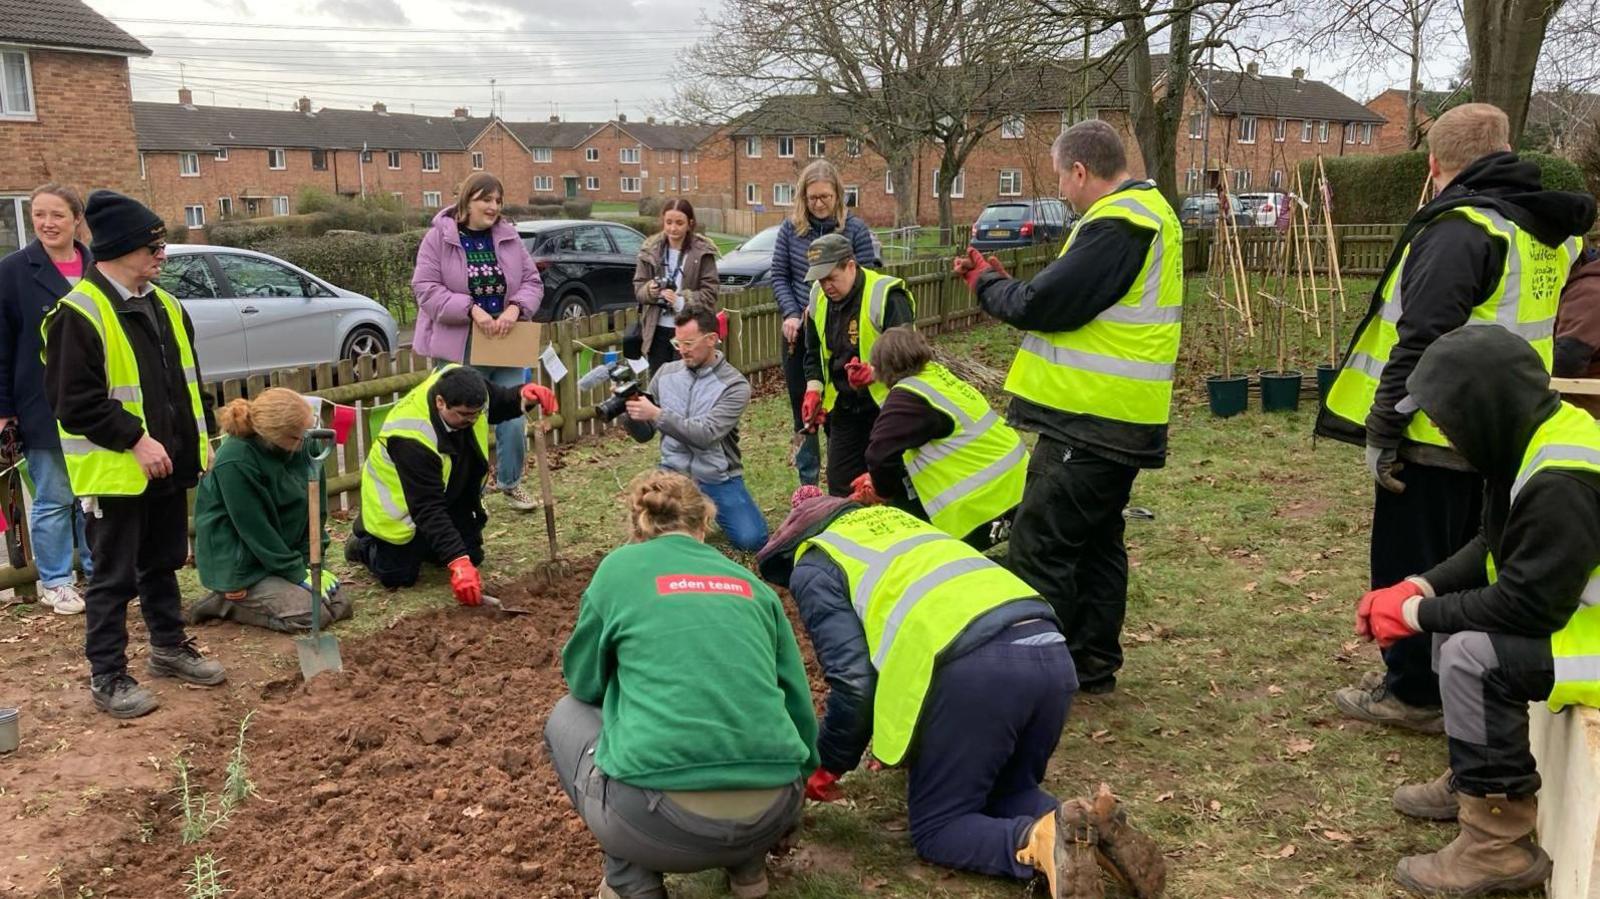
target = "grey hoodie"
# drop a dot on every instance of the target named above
(699, 423)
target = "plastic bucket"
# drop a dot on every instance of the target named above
(1229, 396)
(1326, 374)
(1280, 391)
(10, 736)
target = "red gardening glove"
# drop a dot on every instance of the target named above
(464, 581)
(823, 786)
(979, 266)
(858, 373)
(1381, 615)
(541, 396)
(862, 491)
(997, 265)
(960, 265)
(811, 411)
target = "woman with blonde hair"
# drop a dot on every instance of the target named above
(819, 209)
(671, 631)
(252, 525)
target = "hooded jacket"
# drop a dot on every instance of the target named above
(698, 277)
(1577, 350)
(1488, 392)
(1454, 266)
(444, 308)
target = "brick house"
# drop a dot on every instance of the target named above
(64, 105)
(1391, 104)
(618, 161)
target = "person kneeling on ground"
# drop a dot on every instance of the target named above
(954, 666)
(251, 524)
(702, 397)
(937, 450)
(1513, 613)
(422, 485)
(686, 738)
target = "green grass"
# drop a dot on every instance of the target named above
(616, 206)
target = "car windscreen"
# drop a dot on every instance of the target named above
(1003, 215)
(762, 242)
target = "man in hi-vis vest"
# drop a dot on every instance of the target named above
(1494, 247)
(121, 374)
(1515, 613)
(1094, 380)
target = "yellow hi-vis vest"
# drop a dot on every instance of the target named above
(1523, 302)
(976, 474)
(1569, 439)
(384, 513)
(92, 469)
(874, 304)
(1120, 365)
(915, 589)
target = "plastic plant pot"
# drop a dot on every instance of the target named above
(1229, 394)
(1280, 391)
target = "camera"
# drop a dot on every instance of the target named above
(663, 284)
(624, 386)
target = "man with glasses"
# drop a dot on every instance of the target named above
(702, 397)
(121, 375)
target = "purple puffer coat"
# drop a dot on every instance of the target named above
(444, 308)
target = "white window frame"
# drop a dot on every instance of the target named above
(18, 115)
(1349, 129)
(545, 183)
(194, 216)
(280, 155)
(427, 156)
(852, 147)
(543, 155)
(398, 195)
(477, 160)
(188, 165)
(752, 193)
(958, 188)
(1014, 127)
(786, 141)
(817, 146)
(637, 185)
(661, 184)
(888, 183)
(591, 182)
(432, 199)
(1191, 181)
(1277, 179)
(1305, 131)
(1322, 131)
(628, 155)
(783, 194)
(11, 210)
(1247, 129)
(221, 154)
(224, 207)
(1015, 177)
(1241, 180)
(673, 182)
(752, 147)
(394, 160)
(280, 203)
(1196, 126)
(591, 154)
(1280, 130)
(1366, 133)
(852, 196)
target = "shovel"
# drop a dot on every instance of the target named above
(318, 652)
(494, 602)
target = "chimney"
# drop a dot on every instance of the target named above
(622, 118)
(460, 113)
(554, 119)
(304, 105)
(1253, 70)
(186, 97)
(649, 120)
(1299, 75)
(380, 108)
(822, 87)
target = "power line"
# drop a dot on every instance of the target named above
(563, 31)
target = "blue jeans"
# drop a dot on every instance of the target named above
(510, 437)
(56, 520)
(737, 513)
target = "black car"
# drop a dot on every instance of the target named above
(1020, 223)
(587, 266)
(749, 264)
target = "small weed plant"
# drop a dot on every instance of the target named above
(205, 878)
(203, 812)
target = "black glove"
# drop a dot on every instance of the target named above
(1383, 462)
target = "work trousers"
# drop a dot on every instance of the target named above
(808, 461)
(1066, 542)
(849, 430)
(1440, 511)
(1486, 682)
(400, 564)
(642, 832)
(138, 544)
(990, 723)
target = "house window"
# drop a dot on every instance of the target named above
(277, 159)
(1191, 181)
(319, 160)
(189, 165)
(818, 147)
(224, 207)
(1322, 131)
(222, 154)
(430, 161)
(957, 189)
(477, 160)
(1196, 126)
(546, 183)
(15, 224)
(194, 216)
(1305, 132)
(1011, 182)
(852, 147)
(1241, 180)
(632, 185)
(16, 85)
(783, 194)
(1349, 129)
(280, 205)
(852, 196)
(1277, 178)
(1247, 129)
(661, 184)
(674, 182)
(1366, 133)
(394, 159)
(1280, 130)
(591, 154)
(888, 183)
(431, 199)
(543, 154)
(752, 147)
(398, 196)
(1013, 128)
(591, 183)
(629, 155)
(752, 194)
(785, 147)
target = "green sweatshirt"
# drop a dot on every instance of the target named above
(250, 516)
(696, 670)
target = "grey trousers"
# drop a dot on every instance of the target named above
(1487, 681)
(643, 832)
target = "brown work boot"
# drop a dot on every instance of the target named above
(1129, 856)
(1378, 706)
(1060, 845)
(1494, 853)
(1432, 801)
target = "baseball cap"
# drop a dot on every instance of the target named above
(825, 254)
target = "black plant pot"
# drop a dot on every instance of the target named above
(1229, 395)
(1326, 374)
(1280, 391)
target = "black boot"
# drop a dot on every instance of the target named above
(120, 696)
(185, 663)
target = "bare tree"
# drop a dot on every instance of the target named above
(1506, 38)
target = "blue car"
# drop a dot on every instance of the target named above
(1020, 223)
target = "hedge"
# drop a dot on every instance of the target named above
(377, 265)
(1386, 188)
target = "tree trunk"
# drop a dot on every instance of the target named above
(1414, 88)
(1504, 37)
(902, 167)
(1156, 119)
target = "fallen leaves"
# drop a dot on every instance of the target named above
(1285, 851)
(1299, 746)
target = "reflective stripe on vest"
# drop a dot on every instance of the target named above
(93, 470)
(1523, 302)
(915, 589)
(874, 305)
(1569, 440)
(976, 474)
(384, 512)
(1120, 365)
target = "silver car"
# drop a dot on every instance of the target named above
(254, 313)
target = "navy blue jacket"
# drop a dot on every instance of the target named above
(789, 258)
(29, 288)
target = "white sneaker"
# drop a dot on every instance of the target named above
(64, 599)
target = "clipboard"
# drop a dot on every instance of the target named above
(519, 349)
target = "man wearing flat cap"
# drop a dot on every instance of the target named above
(121, 374)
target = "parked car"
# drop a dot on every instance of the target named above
(1200, 211)
(587, 266)
(254, 313)
(750, 263)
(1264, 207)
(1020, 223)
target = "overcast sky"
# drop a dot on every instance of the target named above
(586, 58)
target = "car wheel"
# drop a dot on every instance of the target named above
(364, 341)
(571, 307)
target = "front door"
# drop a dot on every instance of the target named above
(572, 187)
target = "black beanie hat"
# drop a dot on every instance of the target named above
(120, 225)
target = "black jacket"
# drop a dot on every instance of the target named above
(1546, 546)
(75, 384)
(844, 343)
(29, 288)
(905, 422)
(1453, 266)
(1069, 293)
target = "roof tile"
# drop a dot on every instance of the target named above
(63, 23)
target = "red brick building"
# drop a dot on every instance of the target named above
(618, 161)
(1391, 104)
(64, 105)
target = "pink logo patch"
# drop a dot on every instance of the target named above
(666, 585)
